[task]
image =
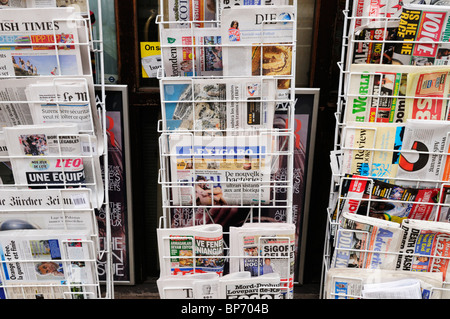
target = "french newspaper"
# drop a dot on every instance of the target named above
(194, 249)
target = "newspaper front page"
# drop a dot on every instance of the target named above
(189, 286)
(242, 285)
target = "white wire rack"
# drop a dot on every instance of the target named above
(353, 40)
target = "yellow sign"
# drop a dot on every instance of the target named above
(150, 59)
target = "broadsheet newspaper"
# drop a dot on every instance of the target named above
(228, 105)
(188, 52)
(195, 249)
(29, 47)
(242, 285)
(43, 156)
(366, 242)
(220, 170)
(189, 286)
(265, 248)
(350, 283)
(79, 5)
(57, 257)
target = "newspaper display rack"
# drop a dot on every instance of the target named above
(52, 143)
(227, 86)
(387, 229)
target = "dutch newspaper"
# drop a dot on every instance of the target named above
(229, 106)
(265, 248)
(425, 247)
(37, 257)
(220, 170)
(42, 157)
(194, 249)
(189, 52)
(421, 159)
(366, 242)
(242, 285)
(52, 209)
(364, 145)
(428, 28)
(350, 283)
(43, 42)
(189, 286)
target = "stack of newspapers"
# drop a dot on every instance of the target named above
(50, 141)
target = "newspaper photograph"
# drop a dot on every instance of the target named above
(191, 250)
(366, 242)
(36, 256)
(220, 170)
(189, 286)
(241, 285)
(201, 55)
(230, 106)
(29, 47)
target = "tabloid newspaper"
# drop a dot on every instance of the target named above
(387, 93)
(423, 141)
(350, 283)
(425, 247)
(42, 156)
(189, 52)
(194, 249)
(366, 242)
(363, 145)
(185, 13)
(428, 27)
(231, 106)
(220, 170)
(29, 47)
(387, 201)
(242, 285)
(189, 286)
(47, 256)
(265, 248)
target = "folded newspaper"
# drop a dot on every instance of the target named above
(79, 5)
(242, 285)
(220, 170)
(366, 242)
(350, 283)
(36, 257)
(265, 248)
(232, 106)
(189, 286)
(43, 42)
(44, 157)
(194, 249)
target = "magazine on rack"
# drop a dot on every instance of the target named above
(189, 286)
(427, 26)
(265, 248)
(194, 249)
(425, 247)
(392, 202)
(350, 283)
(242, 285)
(39, 257)
(228, 105)
(28, 42)
(420, 161)
(202, 55)
(377, 93)
(220, 170)
(42, 156)
(366, 242)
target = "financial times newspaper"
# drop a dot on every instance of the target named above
(194, 249)
(220, 170)
(41, 256)
(230, 106)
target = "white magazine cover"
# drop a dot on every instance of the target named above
(189, 52)
(220, 170)
(190, 286)
(265, 248)
(248, 30)
(190, 250)
(55, 157)
(61, 257)
(241, 285)
(231, 106)
(30, 48)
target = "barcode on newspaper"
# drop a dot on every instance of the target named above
(80, 201)
(88, 148)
